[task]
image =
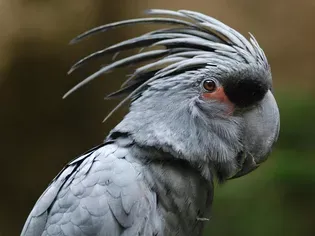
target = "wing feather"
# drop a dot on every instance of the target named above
(99, 193)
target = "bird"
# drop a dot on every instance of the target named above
(201, 111)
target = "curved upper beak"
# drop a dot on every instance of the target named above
(260, 133)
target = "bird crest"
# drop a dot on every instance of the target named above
(192, 41)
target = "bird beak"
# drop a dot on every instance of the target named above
(248, 166)
(260, 133)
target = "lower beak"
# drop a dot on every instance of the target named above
(248, 166)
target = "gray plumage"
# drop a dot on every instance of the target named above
(154, 173)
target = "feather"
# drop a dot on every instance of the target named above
(187, 42)
(123, 62)
(159, 63)
(131, 84)
(193, 63)
(189, 31)
(194, 41)
(104, 28)
(142, 41)
(163, 12)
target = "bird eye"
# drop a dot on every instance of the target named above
(210, 85)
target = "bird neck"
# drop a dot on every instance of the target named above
(207, 145)
(184, 197)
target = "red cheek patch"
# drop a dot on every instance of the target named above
(220, 96)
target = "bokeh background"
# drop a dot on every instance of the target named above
(40, 132)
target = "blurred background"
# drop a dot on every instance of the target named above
(40, 132)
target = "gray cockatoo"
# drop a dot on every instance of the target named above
(202, 109)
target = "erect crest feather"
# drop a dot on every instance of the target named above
(194, 41)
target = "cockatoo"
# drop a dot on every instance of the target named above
(202, 109)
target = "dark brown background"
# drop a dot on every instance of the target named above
(40, 132)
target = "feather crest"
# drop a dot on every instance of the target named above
(195, 41)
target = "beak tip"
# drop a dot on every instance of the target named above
(248, 166)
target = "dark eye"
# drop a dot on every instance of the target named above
(209, 85)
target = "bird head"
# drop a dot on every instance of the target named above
(203, 92)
